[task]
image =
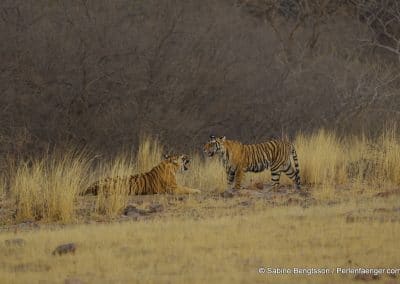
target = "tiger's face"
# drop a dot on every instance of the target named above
(182, 161)
(214, 146)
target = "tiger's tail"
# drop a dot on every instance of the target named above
(296, 166)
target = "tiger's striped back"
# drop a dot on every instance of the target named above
(271, 154)
(276, 155)
(160, 179)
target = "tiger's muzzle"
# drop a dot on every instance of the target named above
(209, 153)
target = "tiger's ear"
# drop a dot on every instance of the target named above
(212, 138)
(222, 138)
(166, 156)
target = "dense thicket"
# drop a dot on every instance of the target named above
(99, 73)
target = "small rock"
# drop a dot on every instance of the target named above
(129, 210)
(132, 215)
(153, 208)
(15, 242)
(132, 211)
(350, 218)
(227, 194)
(259, 185)
(65, 248)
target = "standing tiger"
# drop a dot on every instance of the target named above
(160, 179)
(239, 158)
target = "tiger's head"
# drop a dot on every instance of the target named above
(215, 146)
(181, 161)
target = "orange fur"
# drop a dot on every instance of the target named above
(160, 179)
(239, 158)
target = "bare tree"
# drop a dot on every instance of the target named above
(383, 19)
(99, 73)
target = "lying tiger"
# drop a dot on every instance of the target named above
(160, 179)
(239, 158)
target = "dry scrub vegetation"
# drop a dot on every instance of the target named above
(48, 188)
(97, 73)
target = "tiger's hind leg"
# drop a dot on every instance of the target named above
(275, 177)
(293, 174)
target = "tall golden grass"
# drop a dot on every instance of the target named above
(328, 160)
(47, 188)
(112, 201)
(3, 185)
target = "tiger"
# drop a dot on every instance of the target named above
(238, 158)
(160, 179)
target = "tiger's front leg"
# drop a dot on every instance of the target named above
(186, 190)
(230, 174)
(238, 179)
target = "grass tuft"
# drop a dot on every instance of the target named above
(46, 188)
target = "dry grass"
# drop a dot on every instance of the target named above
(206, 174)
(111, 202)
(149, 154)
(206, 238)
(47, 188)
(330, 161)
(223, 245)
(3, 186)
